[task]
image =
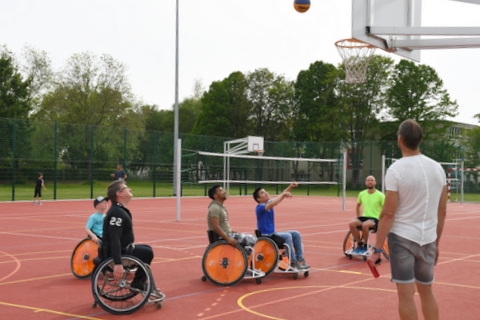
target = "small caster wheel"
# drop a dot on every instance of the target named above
(349, 256)
(204, 278)
(364, 258)
(295, 276)
(159, 305)
(94, 305)
(306, 274)
(258, 280)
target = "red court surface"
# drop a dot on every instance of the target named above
(37, 241)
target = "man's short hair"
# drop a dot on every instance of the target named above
(256, 192)
(411, 133)
(213, 190)
(113, 188)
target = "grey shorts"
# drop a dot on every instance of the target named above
(410, 262)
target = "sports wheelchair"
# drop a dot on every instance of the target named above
(81, 262)
(269, 258)
(225, 265)
(120, 297)
(349, 245)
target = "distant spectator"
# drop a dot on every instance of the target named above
(39, 184)
(119, 174)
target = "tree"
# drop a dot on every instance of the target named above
(315, 112)
(225, 108)
(37, 67)
(93, 91)
(271, 97)
(362, 105)
(417, 93)
(14, 89)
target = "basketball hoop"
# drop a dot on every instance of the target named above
(356, 56)
(259, 152)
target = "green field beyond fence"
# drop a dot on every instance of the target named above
(77, 160)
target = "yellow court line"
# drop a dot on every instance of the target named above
(34, 279)
(321, 287)
(47, 310)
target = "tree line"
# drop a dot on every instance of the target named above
(317, 106)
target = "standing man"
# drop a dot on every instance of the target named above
(372, 201)
(266, 223)
(118, 235)
(413, 217)
(119, 174)
(217, 220)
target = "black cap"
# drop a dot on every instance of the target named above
(98, 200)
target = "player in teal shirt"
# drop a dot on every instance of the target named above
(94, 225)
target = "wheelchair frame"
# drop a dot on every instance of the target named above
(282, 264)
(226, 265)
(349, 246)
(119, 297)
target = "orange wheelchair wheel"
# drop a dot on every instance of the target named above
(385, 251)
(81, 262)
(224, 264)
(265, 255)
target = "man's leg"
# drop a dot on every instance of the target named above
(366, 226)
(354, 224)
(145, 253)
(406, 303)
(429, 303)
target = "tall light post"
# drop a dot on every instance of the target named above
(176, 160)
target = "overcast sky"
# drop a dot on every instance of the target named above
(218, 37)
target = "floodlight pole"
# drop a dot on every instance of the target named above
(176, 168)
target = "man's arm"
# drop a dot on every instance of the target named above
(216, 227)
(385, 222)
(285, 194)
(358, 211)
(442, 213)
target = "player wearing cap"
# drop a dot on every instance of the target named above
(94, 226)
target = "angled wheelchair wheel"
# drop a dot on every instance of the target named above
(81, 262)
(119, 297)
(265, 255)
(348, 245)
(224, 264)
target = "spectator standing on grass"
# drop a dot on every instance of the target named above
(39, 185)
(119, 174)
(413, 217)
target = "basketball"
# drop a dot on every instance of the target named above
(301, 5)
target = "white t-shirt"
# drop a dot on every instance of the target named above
(419, 181)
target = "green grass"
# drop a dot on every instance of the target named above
(145, 189)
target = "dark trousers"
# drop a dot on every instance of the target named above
(145, 253)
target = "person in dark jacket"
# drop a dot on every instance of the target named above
(118, 236)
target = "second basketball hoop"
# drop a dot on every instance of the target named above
(356, 56)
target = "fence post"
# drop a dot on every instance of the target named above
(55, 165)
(14, 156)
(92, 150)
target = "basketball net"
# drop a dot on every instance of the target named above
(356, 56)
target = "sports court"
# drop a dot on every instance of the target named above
(37, 283)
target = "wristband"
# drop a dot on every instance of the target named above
(375, 250)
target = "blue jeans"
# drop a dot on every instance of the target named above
(294, 240)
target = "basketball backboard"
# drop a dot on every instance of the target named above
(396, 26)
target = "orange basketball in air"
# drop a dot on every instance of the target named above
(301, 5)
